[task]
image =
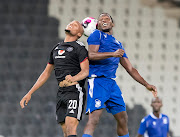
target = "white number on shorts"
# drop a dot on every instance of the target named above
(72, 104)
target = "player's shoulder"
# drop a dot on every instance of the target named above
(56, 46)
(79, 43)
(96, 32)
(145, 119)
(165, 116)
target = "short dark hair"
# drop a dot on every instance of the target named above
(104, 13)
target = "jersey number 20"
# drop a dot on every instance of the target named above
(72, 104)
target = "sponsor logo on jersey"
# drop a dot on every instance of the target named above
(60, 52)
(97, 103)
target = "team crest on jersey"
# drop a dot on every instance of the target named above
(154, 123)
(69, 49)
(97, 103)
(165, 120)
(60, 52)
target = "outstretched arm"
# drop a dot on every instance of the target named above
(82, 74)
(95, 55)
(41, 80)
(136, 76)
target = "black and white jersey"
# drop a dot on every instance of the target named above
(66, 58)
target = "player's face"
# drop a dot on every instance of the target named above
(105, 22)
(75, 28)
(156, 104)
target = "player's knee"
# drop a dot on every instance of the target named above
(71, 125)
(71, 128)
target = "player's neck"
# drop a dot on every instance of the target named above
(157, 114)
(109, 32)
(69, 38)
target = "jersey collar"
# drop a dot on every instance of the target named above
(154, 117)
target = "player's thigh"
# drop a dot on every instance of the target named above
(115, 103)
(98, 94)
(95, 116)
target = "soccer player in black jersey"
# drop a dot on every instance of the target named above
(69, 60)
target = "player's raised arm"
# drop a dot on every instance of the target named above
(95, 55)
(41, 80)
(136, 76)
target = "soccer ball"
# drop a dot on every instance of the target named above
(89, 25)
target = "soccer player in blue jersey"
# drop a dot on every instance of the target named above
(155, 124)
(105, 54)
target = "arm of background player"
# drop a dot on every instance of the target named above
(136, 76)
(41, 80)
(95, 55)
(82, 74)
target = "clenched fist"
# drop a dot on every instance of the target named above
(118, 53)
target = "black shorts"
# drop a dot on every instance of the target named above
(70, 102)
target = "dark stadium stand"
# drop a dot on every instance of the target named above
(27, 36)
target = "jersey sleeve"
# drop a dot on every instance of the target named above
(124, 55)
(142, 127)
(51, 61)
(82, 54)
(94, 38)
(167, 124)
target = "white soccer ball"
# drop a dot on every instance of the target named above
(89, 25)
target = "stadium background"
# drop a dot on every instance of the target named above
(148, 29)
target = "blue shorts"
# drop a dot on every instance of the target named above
(104, 93)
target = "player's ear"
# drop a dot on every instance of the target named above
(113, 25)
(79, 35)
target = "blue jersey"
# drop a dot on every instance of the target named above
(106, 67)
(155, 127)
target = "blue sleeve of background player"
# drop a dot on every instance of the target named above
(142, 127)
(94, 38)
(168, 125)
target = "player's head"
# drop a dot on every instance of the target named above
(74, 28)
(105, 22)
(156, 104)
